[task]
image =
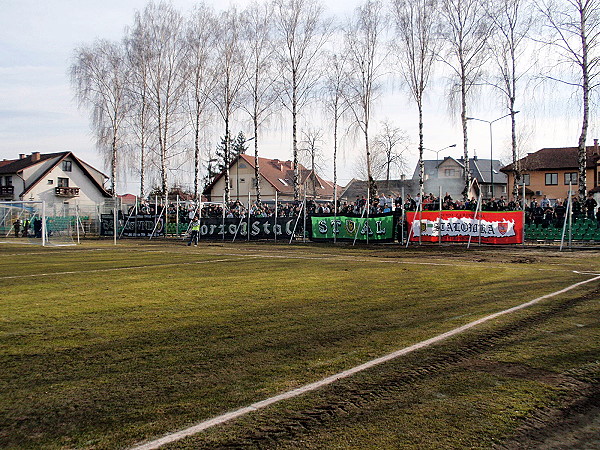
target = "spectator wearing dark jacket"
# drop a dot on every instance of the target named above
(590, 206)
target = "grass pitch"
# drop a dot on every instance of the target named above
(104, 347)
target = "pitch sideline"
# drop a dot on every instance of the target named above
(218, 420)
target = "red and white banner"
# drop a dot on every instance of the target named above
(498, 227)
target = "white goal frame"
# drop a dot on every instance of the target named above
(10, 211)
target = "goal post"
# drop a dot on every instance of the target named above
(33, 222)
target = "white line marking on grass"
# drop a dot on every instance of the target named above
(218, 420)
(112, 269)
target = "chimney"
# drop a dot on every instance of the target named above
(277, 164)
(35, 156)
(21, 155)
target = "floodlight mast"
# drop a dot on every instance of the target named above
(490, 122)
(437, 152)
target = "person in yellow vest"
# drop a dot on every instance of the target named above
(26, 228)
(195, 231)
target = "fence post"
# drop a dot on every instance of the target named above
(440, 219)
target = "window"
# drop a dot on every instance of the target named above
(63, 182)
(525, 179)
(8, 181)
(67, 166)
(551, 179)
(449, 172)
(50, 181)
(572, 177)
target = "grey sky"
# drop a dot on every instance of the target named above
(37, 112)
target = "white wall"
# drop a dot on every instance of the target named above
(89, 194)
(267, 191)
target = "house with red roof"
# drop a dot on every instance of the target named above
(56, 178)
(549, 171)
(275, 177)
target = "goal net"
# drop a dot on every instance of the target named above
(33, 222)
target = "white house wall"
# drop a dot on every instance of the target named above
(32, 173)
(89, 194)
(245, 175)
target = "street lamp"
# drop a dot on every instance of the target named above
(437, 152)
(490, 122)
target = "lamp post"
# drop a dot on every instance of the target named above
(437, 152)
(490, 122)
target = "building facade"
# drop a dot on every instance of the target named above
(549, 171)
(276, 177)
(59, 179)
(448, 175)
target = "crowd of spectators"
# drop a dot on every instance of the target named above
(385, 204)
(236, 209)
(546, 212)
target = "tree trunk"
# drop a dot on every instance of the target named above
(197, 151)
(516, 168)
(463, 117)
(227, 160)
(582, 157)
(143, 138)
(256, 162)
(142, 170)
(335, 127)
(314, 180)
(113, 165)
(371, 181)
(295, 139)
(421, 148)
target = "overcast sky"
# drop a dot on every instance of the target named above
(37, 111)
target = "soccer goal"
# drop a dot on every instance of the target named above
(33, 222)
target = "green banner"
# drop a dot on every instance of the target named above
(379, 228)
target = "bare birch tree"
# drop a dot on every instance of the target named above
(230, 73)
(260, 80)
(466, 30)
(334, 98)
(200, 38)
(161, 28)
(301, 33)
(312, 139)
(139, 118)
(513, 20)
(364, 36)
(417, 44)
(574, 32)
(392, 143)
(99, 77)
